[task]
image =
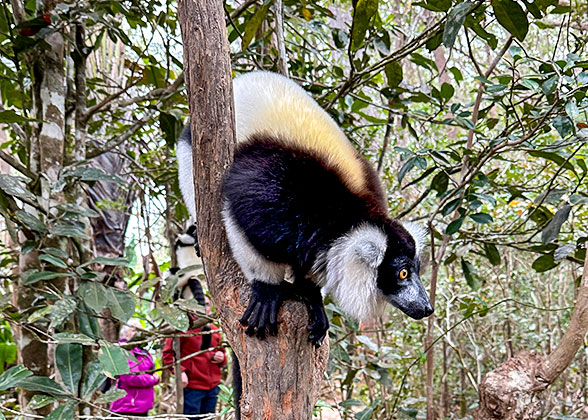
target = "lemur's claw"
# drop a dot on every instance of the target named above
(263, 309)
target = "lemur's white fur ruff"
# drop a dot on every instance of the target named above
(254, 265)
(268, 103)
(348, 271)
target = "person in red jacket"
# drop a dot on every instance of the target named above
(201, 374)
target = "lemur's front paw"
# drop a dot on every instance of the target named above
(263, 308)
(318, 325)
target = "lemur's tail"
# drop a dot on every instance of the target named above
(237, 386)
(185, 175)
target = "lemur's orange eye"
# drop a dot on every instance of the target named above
(403, 274)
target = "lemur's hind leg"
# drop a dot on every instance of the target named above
(264, 305)
(306, 290)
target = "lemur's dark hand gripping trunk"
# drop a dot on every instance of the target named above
(304, 212)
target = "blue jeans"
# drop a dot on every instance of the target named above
(199, 401)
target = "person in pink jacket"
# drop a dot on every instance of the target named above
(139, 386)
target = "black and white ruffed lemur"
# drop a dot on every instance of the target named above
(188, 285)
(301, 203)
(187, 253)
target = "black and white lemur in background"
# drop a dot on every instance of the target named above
(305, 212)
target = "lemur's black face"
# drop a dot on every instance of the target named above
(399, 281)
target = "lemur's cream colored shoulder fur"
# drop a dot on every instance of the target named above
(268, 103)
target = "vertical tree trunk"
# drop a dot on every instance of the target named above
(46, 157)
(281, 375)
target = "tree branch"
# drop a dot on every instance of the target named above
(121, 138)
(16, 165)
(560, 358)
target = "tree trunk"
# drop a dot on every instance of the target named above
(281, 375)
(46, 157)
(516, 389)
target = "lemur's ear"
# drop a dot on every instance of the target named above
(369, 253)
(368, 245)
(418, 233)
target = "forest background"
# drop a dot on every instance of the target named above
(474, 113)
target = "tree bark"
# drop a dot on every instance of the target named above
(516, 389)
(281, 375)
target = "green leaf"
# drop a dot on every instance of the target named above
(113, 359)
(365, 414)
(365, 10)
(549, 85)
(572, 110)
(451, 206)
(563, 125)
(447, 91)
(111, 395)
(43, 384)
(69, 229)
(455, 19)
(30, 221)
(408, 165)
(73, 338)
(40, 314)
(469, 272)
(63, 412)
(551, 231)
(94, 295)
(531, 84)
(12, 185)
(88, 322)
(175, 317)
(394, 75)
(554, 157)
(121, 304)
(13, 376)
(482, 218)
(56, 252)
(62, 310)
(68, 359)
(492, 253)
(8, 116)
(52, 260)
(42, 276)
(92, 379)
(440, 183)
(93, 174)
(512, 17)
(544, 263)
(253, 25)
(77, 209)
(454, 226)
(40, 401)
(114, 261)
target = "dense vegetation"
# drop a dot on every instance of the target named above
(473, 112)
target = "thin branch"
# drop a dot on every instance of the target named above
(239, 10)
(16, 165)
(91, 111)
(110, 144)
(154, 94)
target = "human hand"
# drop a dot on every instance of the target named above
(218, 357)
(184, 379)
